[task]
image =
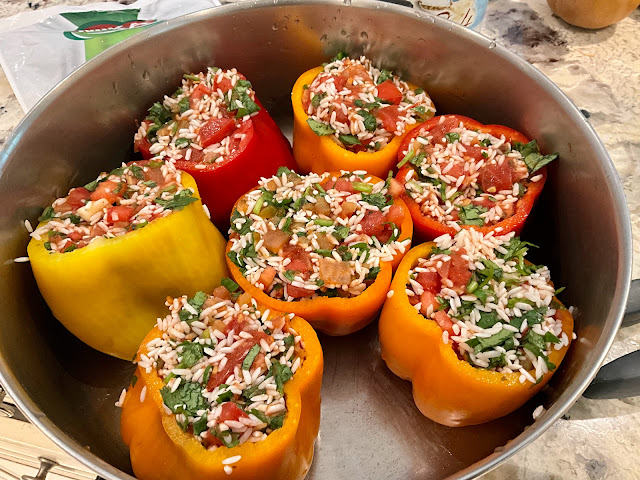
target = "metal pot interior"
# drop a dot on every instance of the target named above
(370, 426)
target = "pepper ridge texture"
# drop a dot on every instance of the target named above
(110, 292)
(161, 450)
(446, 389)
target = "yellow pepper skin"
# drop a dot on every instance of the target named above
(446, 389)
(321, 154)
(160, 450)
(109, 293)
(336, 315)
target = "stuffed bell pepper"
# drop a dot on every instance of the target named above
(474, 326)
(459, 173)
(215, 129)
(224, 387)
(107, 255)
(320, 246)
(350, 115)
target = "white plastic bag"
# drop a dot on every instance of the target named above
(38, 49)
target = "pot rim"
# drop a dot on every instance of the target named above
(622, 221)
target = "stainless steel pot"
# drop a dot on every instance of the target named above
(370, 426)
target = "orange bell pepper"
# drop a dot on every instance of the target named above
(335, 315)
(161, 450)
(428, 228)
(446, 389)
(321, 154)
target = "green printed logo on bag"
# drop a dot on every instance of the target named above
(101, 30)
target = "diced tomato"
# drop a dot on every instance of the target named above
(267, 276)
(200, 91)
(297, 292)
(494, 178)
(210, 440)
(356, 71)
(340, 115)
(372, 223)
(75, 236)
(300, 258)
(236, 145)
(110, 190)
(387, 90)
(456, 170)
(143, 146)
(230, 411)
(224, 84)
(119, 213)
(215, 130)
(388, 116)
(395, 188)
(474, 151)
(484, 202)
(443, 270)
(459, 272)
(444, 322)
(428, 298)
(395, 215)
(235, 357)
(384, 236)
(306, 99)
(77, 198)
(440, 129)
(429, 281)
(221, 292)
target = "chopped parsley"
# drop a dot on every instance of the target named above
(320, 128)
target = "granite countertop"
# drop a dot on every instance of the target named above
(600, 72)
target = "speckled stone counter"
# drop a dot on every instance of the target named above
(600, 72)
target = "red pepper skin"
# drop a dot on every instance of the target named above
(426, 228)
(220, 185)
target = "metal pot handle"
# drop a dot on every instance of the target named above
(621, 377)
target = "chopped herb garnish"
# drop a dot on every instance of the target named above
(452, 137)
(229, 284)
(248, 360)
(179, 200)
(370, 122)
(186, 399)
(349, 139)
(182, 142)
(317, 98)
(196, 303)
(470, 214)
(376, 199)
(531, 155)
(47, 214)
(320, 128)
(191, 353)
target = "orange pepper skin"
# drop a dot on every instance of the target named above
(337, 315)
(427, 228)
(321, 154)
(160, 450)
(446, 389)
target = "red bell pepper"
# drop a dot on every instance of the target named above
(427, 227)
(259, 154)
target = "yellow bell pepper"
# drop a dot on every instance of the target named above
(161, 450)
(446, 389)
(109, 293)
(321, 154)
